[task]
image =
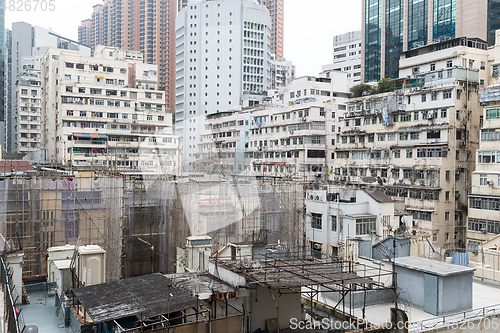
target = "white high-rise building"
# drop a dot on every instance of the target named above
(223, 51)
(347, 55)
(28, 106)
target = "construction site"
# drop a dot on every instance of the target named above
(140, 218)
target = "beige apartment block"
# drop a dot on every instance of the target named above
(417, 143)
(107, 111)
(484, 201)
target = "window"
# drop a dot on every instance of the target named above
(381, 137)
(409, 153)
(444, 113)
(403, 136)
(434, 237)
(433, 95)
(446, 94)
(493, 114)
(435, 134)
(448, 175)
(316, 221)
(447, 196)
(483, 179)
(366, 225)
(371, 137)
(391, 137)
(414, 135)
(333, 218)
(433, 67)
(424, 97)
(397, 153)
(449, 64)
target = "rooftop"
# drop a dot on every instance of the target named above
(288, 276)
(204, 284)
(143, 297)
(378, 196)
(432, 267)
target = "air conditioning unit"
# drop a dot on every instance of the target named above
(489, 182)
(317, 246)
(304, 119)
(483, 230)
(120, 156)
(291, 132)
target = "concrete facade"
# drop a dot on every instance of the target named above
(107, 110)
(418, 141)
(335, 222)
(144, 26)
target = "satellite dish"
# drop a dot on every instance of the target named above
(404, 219)
(369, 179)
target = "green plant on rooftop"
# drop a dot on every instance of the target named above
(385, 85)
(361, 90)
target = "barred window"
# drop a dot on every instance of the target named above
(316, 221)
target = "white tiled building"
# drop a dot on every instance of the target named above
(347, 55)
(107, 111)
(28, 106)
(223, 51)
(336, 221)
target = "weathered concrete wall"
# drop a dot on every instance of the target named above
(263, 306)
(358, 297)
(451, 301)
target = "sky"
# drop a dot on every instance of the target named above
(309, 26)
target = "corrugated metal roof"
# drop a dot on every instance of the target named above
(143, 297)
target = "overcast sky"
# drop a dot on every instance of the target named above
(309, 26)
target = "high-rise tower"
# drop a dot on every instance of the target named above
(276, 9)
(393, 26)
(222, 57)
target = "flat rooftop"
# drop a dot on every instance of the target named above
(144, 297)
(432, 266)
(483, 295)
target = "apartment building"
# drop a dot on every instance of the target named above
(484, 201)
(417, 143)
(222, 57)
(292, 138)
(483, 224)
(337, 221)
(347, 55)
(107, 111)
(224, 142)
(27, 41)
(147, 26)
(392, 27)
(28, 106)
(282, 72)
(84, 32)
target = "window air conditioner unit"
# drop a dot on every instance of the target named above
(489, 182)
(317, 246)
